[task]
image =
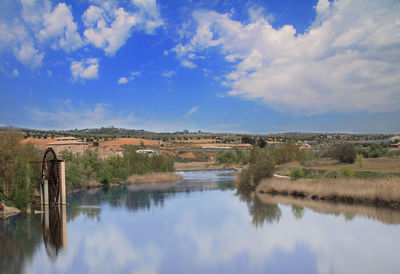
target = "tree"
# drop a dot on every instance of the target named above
(248, 140)
(261, 142)
(345, 153)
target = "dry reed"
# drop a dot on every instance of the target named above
(385, 190)
(154, 177)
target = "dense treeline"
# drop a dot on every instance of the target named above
(80, 171)
(18, 178)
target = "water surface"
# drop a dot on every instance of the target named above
(200, 225)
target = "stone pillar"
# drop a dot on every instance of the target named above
(46, 192)
(41, 194)
(63, 226)
(47, 216)
(63, 184)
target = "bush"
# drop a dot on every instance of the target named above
(296, 172)
(345, 153)
(332, 174)
(347, 172)
(261, 166)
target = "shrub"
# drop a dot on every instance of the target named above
(296, 172)
(347, 172)
(261, 166)
(332, 174)
(345, 153)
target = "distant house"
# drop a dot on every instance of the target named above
(109, 152)
(148, 152)
(305, 146)
(77, 147)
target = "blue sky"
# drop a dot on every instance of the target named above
(221, 66)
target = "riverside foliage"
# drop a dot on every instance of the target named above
(82, 170)
(18, 178)
(262, 163)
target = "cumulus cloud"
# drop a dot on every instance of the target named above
(59, 26)
(27, 54)
(187, 63)
(132, 75)
(347, 61)
(109, 27)
(85, 69)
(122, 80)
(149, 13)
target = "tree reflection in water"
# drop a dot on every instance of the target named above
(261, 212)
(19, 239)
(298, 212)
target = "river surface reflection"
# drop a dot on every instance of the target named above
(201, 225)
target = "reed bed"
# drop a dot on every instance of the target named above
(378, 191)
(154, 177)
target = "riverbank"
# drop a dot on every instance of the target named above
(211, 165)
(373, 191)
(154, 177)
(9, 211)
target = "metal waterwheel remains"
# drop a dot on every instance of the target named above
(52, 188)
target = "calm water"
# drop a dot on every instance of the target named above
(200, 225)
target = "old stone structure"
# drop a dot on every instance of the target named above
(72, 144)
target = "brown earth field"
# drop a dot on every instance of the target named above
(38, 142)
(385, 191)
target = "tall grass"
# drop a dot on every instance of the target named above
(386, 190)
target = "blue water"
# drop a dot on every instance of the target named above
(201, 225)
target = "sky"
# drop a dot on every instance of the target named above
(222, 66)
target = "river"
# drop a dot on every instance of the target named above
(200, 225)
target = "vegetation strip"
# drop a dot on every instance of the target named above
(376, 191)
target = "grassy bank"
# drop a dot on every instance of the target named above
(154, 177)
(377, 191)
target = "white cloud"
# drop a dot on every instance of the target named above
(109, 27)
(133, 75)
(122, 80)
(33, 12)
(15, 73)
(67, 116)
(347, 61)
(59, 26)
(188, 64)
(149, 12)
(85, 69)
(191, 111)
(168, 74)
(109, 37)
(28, 55)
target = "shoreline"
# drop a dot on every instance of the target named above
(154, 177)
(9, 211)
(378, 192)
